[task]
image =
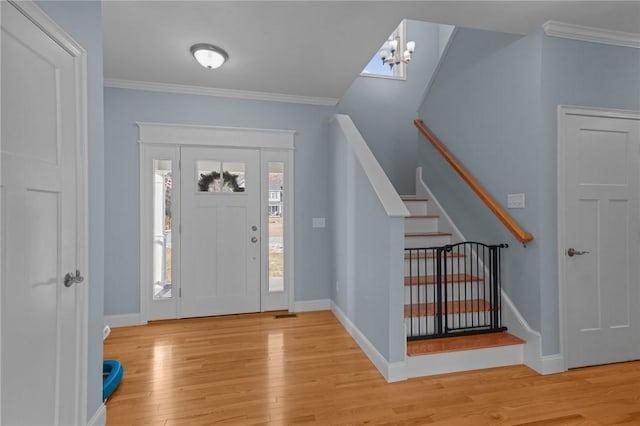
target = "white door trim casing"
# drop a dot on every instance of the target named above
(167, 134)
(36, 15)
(563, 112)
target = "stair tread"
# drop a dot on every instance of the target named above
(426, 216)
(431, 279)
(453, 307)
(429, 255)
(462, 343)
(427, 234)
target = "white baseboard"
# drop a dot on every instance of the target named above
(391, 371)
(552, 364)
(532, 355)
(125, 320)
(312, 305)
(99, 418)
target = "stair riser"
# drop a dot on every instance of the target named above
(423, 224)
(416, 208)
(429, 267)
(427, 326)
(427, 293)
(420, 242)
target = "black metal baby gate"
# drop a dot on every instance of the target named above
(453, 290)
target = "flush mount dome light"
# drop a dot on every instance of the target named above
(209, 56)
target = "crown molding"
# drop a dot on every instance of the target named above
(593, 35)
(217, 92)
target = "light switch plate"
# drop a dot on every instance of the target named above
(318, 222)
(515, 201)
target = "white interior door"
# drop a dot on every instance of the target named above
(601, 256)
(220, 236)
(42, 228)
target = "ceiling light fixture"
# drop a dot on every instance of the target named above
(209, 56)
(391, 53)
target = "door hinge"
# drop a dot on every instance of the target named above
(180, 228)
(180, 292)
(179, 165)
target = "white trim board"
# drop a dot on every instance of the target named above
(532, 350)
(391, 371)
(389, 198)
(183, 89)
(125, 320)
(590, 34)
(219, 136)
(453, 362)
(99, 418)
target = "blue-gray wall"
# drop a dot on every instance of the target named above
(383, 109)
(367, 254)
(583, 74)
(83, 21)
(312, 176)
(494, 104)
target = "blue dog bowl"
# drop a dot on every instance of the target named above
(112, 372)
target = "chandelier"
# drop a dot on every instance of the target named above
(392, 54)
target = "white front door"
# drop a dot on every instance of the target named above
(42, 236)
(220, 236)
(602, 233)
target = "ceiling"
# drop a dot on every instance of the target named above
(304, 48)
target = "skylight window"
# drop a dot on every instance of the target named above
(375, 67)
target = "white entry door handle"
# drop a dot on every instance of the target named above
(71, 279)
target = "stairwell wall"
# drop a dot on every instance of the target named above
(367, 277)
(484, 106)
(383, 109)
(494, 105)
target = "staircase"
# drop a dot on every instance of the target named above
(467, 296)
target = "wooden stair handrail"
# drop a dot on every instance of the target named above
(519, 233)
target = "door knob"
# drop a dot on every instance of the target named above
(71, 279)
(573, 252)
(254, 239)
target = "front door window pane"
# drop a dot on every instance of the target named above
(221, 176)
(162, 227)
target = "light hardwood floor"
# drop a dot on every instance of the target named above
(254, 369)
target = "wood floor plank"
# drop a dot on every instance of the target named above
(258, 370)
